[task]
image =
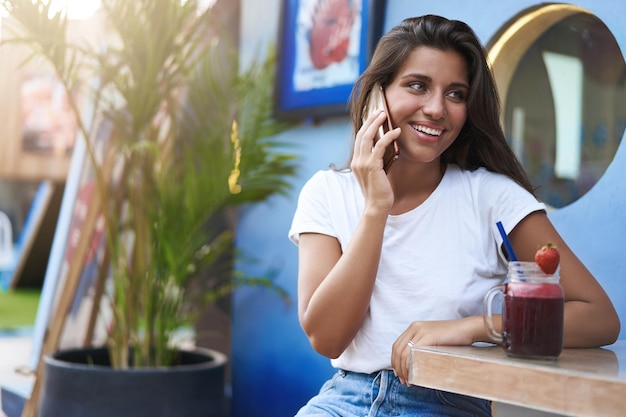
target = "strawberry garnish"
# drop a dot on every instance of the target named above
(547, 257)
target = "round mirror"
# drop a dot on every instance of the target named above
(565, 104)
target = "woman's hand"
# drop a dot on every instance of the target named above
(461, 332)
(367, 161)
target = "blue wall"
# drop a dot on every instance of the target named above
(274, 369)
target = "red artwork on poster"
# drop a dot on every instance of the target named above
(48, 123)
(329, 38)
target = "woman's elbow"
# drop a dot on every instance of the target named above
(612, 330)
(325, 347)
(323, 342)
(605, 332)
(609, 325)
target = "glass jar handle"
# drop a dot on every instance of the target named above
(488, 312)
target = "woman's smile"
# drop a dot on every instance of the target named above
(426, 133)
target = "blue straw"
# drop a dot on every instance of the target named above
(507, 243)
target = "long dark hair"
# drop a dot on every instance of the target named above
(481, 142)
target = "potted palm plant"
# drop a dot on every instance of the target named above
(188, 137)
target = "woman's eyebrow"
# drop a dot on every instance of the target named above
(417, 76)
(422, 77)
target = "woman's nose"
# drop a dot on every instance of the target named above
(434, 106)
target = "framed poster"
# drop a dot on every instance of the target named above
(38, 130)
(324, 47)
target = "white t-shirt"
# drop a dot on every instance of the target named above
(438, 260)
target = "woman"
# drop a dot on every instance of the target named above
(406, 256)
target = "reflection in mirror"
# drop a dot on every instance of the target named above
(565, 109)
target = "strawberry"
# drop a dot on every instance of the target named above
(547, 257)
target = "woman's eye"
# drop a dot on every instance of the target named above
(457, 95)
(418, 86)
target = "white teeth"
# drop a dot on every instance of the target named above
(428, 130)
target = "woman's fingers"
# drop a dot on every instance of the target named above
(366, 150)
(368, 132)
(401, 357)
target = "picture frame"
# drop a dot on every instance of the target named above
(38, 136)
(318, 61)
(37, 133)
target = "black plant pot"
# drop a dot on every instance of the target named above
(80, 383)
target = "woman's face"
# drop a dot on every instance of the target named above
(427, 100)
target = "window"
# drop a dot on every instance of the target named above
(564, 99)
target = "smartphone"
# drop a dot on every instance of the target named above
(375, 102)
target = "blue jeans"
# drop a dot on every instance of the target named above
(350, 394)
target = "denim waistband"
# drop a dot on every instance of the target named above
(380, 394)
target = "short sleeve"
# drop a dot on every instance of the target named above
(512, 205)
(312, 213)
